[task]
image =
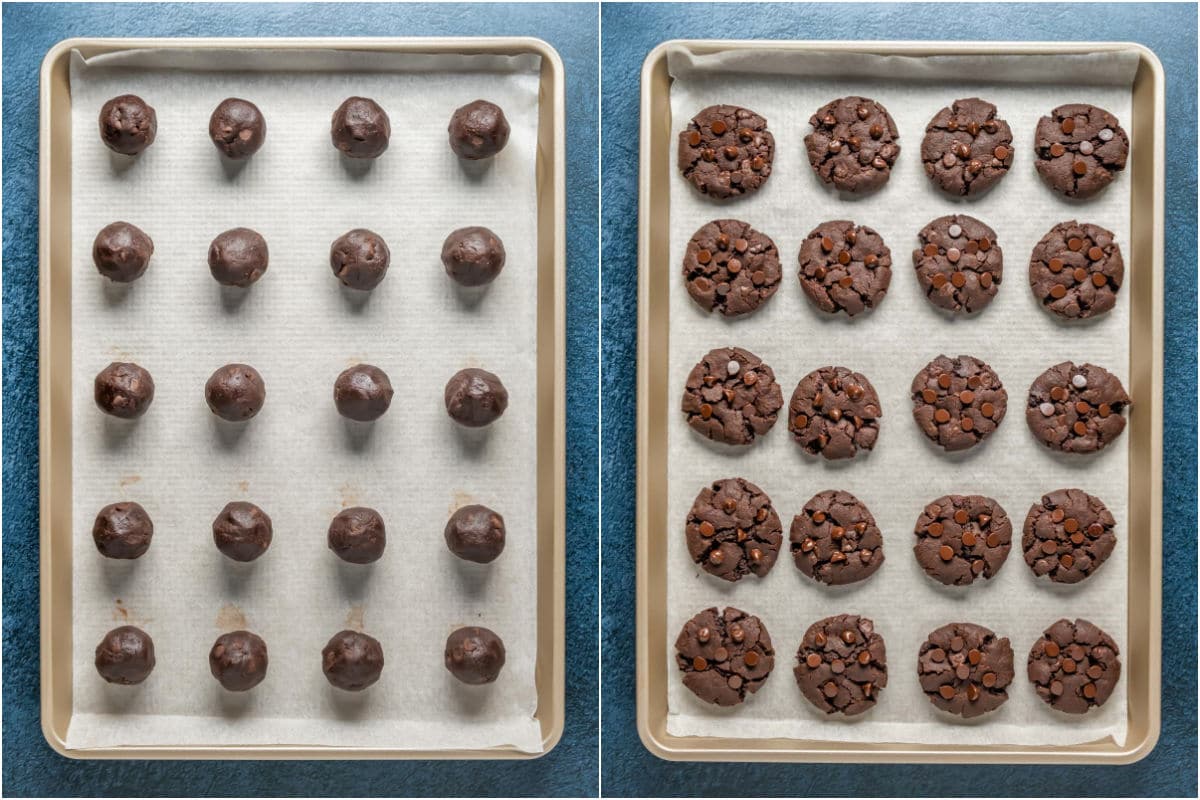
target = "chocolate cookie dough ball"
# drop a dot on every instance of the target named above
(362, 393)
(128, 124)
(474, 655)
(124, 390)
(235, 392)
(121, 252)
(475, 533)
(359, 258)
(475, 397)
(352, 661)
(238, 660)
(122, 530)
(473, 256)
(238, 257)
(478, 130)
(242, 531)
(357, 535)
(237, 128)
(125, 655)
(360, 128)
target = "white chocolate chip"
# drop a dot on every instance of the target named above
(1079, 381)
(1105, 135)
(955, 230)
(1047, 409)
(732, 367)
(1085, 148)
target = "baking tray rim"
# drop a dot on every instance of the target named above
(694, 748)
(550, 668)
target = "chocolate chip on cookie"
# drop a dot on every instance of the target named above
(967, 148)
(959, 264)
(845, 267)
(731, 396)
(835, 539)
(726, 151)
(853, 144)
(730, 267)
(961, 538)
(1080, 149)
(958, 402)
(1076, 270)
(842, 664)
(1074, 666)
(1076, 408)
(834, 413)
(1068, 535)
(965, 668)
(724, 655)
(733, 530)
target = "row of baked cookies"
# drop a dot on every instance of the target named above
(841, 663)
(1075, 271)
(727, 151)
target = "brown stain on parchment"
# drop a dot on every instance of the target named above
(354, 619)
(459, 500)
(128, 480)
(120, 612)
(231, 618)
(349, 495)
(243, 486)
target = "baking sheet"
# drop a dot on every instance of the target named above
(298, 459)
(890, 345)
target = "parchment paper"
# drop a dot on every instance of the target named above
(890, 345)
(298, 458)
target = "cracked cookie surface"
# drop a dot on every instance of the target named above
(958, 402)
(724, 655)
(726, 151)
(961, 538)
(1080, 148)
(965, 669)
(853, 144)
(834, 413)
(731, 396)
(1076, 270)
(1076, 408)
(967, 149)
(732, 530)
(842, 664)
(959, 264)
(835, 539)
(845, 267)
(1074, 666)
(1068, 535)
(730, 267)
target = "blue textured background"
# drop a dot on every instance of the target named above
(30, 766)
(628, 34)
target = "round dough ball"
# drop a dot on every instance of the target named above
(242, 531)
(360, 128)
(121, 252)
(124, 390)
(128, 124)
(125, 655)
(362, 393)
(475, 398)
(360, 259)
(357, 535)
(238, 660)
(237, 128)
(473, 256)
(238, 257)
(474, 655)
(475, 533)
(478, 130)
(352, 661)
(235, 392)
(122, 530)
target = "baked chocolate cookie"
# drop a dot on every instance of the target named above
(958, 402)
(237, 128)
(733, 531)
(474, 655)
(845, 267)
(362, 393)
(726, 151)
(834, 413)
(1074, 666)
(235, 392)
(360, 128)
(360, 259)
(1080, 149)
(724, 655)
(128, 124)
(242, 531)
(475, 397)
(121, 252)
(122, 530)
(475, 533)
(1076, 408)
(1068, 535)
(123, 390)
(125, 655)
(853, 144)
(731, 396)
(238, 257)
(730, 267)
(473, 256)
(967, 149)
(238, 660)
(959, 264)
(961, 538)
(965, 669)
(357, 535)
(352, 661)
(1076, 270)
(835, 539)
(842, 664)
(478, 130)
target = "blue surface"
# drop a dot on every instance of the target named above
(31, 768)
(629, 32)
